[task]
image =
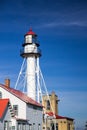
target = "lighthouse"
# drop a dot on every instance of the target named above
(31, 52)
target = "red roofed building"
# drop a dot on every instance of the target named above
(51, 119)
(18, 112)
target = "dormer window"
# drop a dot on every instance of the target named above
(0, 94)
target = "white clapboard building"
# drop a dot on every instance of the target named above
(18, 111)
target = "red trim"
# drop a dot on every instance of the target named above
(30, 32)
(57, 116)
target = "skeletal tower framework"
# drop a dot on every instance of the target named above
(30, 77)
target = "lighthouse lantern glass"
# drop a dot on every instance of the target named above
(28, 39)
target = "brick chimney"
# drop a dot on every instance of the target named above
(7, 83)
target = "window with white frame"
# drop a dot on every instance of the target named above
(39, 127)
(19, 126)
(7, 125)
(15, 108)
(52, 126)
(23, 126)
(30, 126)
(56, 126)
(33, 126)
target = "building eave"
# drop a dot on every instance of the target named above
(21, 96)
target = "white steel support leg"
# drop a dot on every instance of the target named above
(20, 73)
(38, 82)
(46, 91)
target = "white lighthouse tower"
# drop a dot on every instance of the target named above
(32, 53)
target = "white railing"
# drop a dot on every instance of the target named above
(30, 51)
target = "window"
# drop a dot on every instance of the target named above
(30, 126)
(10, 125)
(43, 118)
(52, 126)
(24, 127)
(39, 127)
(15, 108)
(19, 126)
(7, 125)
(34, 110)
(56, 126)
(13, 127)
(0, 94)
(33, 126)
(68, 126)
(34, 107)
(48, 105)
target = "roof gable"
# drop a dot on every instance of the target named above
(21, 96)
(57, 116)
(3, 106)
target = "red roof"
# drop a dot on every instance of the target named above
(57, 116)
(21, 96)
(3, 106)
(30, 32)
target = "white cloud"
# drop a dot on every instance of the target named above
(65, 23)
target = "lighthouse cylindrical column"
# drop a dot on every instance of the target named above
(31, 78)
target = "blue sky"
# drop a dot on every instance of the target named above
(61, 26)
